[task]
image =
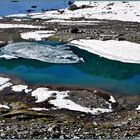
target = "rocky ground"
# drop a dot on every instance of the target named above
(65, 32)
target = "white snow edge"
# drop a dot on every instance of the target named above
(138, 108)
(4, 106)
(123, 51)
(7, 26)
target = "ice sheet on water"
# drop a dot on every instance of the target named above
(38, 51)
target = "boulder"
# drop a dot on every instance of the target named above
(74, 30)
(73, 7)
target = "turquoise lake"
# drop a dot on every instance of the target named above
(95, 71)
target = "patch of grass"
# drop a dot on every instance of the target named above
(52, 38)
(106, 125)
(18, 105)
(90, 126)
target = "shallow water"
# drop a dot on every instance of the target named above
(95, 71)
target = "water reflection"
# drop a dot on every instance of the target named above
(99, 66)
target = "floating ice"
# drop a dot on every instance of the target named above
(41, 52)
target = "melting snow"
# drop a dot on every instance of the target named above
(112, 99)
(3, 80)
(138, 108)
(4, 26)
(8, 84)
(38, 109)
(42, 94)
(19, 88)
(37, 35)
(27, 90)
(4, 106)
(123, 51)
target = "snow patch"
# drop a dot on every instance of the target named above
(112, 99)
(8, 84)
(42, 94)
(27, 90)
(138, 108)
(38, 109)
(19, 88)
(3, 80)
(60, 101)
(37, 35)
(7, 26)
(4, 106)
(123, 51)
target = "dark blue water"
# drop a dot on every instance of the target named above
(113, 76)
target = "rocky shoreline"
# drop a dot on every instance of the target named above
(32, 122)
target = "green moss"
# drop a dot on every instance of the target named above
(52, 38)
(14, 113)
(90, 126)
(18, 105)
(106, 125)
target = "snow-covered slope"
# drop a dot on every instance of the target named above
(119, 10)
